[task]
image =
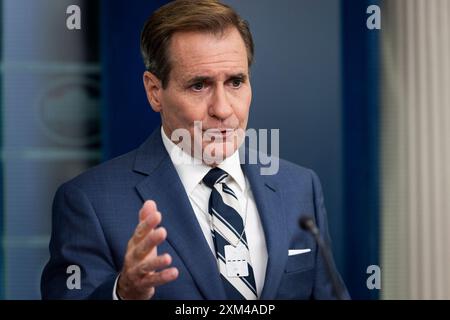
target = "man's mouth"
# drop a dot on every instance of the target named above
(219, 133)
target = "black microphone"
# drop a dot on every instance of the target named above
(308, 224)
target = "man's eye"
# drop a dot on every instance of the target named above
(236, 83)
(198, 86)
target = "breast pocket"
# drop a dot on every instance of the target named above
(300, 262)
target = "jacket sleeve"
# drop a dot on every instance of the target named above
(80, 265)
(323, 288)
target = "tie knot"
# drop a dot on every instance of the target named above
(214, 176)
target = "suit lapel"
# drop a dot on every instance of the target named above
(268, 200)
(183, 231)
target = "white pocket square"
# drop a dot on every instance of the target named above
(294, 252)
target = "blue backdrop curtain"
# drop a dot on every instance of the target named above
(127, 118)
(360, 54)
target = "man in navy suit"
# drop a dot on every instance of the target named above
(184, 218)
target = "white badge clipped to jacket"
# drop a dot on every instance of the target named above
(236, 261)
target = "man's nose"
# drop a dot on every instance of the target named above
(220, 105)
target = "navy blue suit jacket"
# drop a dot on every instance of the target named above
(95, 214)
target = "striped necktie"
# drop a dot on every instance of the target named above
(229, 238)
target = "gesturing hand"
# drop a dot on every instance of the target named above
(143, 269)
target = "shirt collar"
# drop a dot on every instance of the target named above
(191, 171)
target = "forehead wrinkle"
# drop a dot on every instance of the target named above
(186, 56)
(212, 69)
(196, 61)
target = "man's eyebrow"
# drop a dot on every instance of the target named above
(239, 75)
(197, 79)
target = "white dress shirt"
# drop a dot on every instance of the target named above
(191, 174)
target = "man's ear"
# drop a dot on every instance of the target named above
(153, 89)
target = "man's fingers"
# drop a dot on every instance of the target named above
(148, 207)
(145, 226)
(160, 278)
(153, 239)
(152, 264)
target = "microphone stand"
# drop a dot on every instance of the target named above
(308, 224)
